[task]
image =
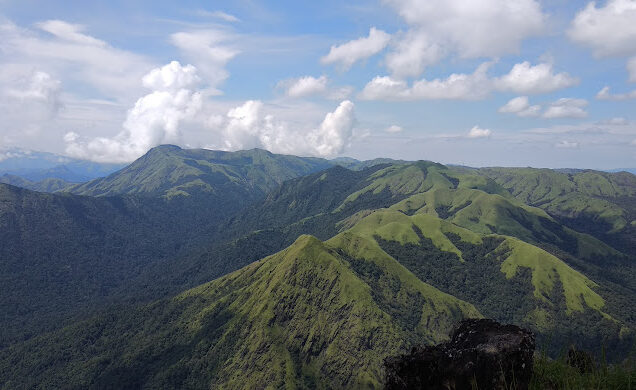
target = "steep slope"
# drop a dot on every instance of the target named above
(599, 203)
(307, 317)
(61, 254)
(170, 171)
(504, 277)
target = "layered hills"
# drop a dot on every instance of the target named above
(248, 269)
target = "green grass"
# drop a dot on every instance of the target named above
(558, 375)
(546, 269)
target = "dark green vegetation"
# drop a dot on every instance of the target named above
(402, 250)
(559, 375)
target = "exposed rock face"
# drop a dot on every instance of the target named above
(481, 354)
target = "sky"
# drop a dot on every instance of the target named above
(474, 82)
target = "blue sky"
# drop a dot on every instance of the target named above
(482, 83)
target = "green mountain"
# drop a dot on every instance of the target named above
(599, 203)
(64, 255)
(310, 316)
(170, 171)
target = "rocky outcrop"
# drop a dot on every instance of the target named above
(481, 354)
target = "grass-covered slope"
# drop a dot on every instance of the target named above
(505, 278)
(310, 316)
(600, 203)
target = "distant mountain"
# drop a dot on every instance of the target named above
(38, 166)
(599, 203)
(45, 185)
(630, 170)
(170, 171)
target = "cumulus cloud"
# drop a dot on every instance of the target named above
(154, 120)
(609, 30)
(527, 79)
(567, 145)
(247, 126)
(39, 89)
(393, 129)
(477, 132)
(470, 29)
(209, 52)
(520, 106)
(412, 52)
(566, 108)
(605, 94)
(359, 49)
(461, 86)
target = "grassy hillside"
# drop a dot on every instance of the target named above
(599, 203)
(307, 317)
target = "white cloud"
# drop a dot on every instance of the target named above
(413, 51)
(207, 50)
(309, 85)
(219, 15)
(567, 145)
(471, 29)
(393, 129)
(608, 30)
(359, 49)
(305, 86)
(527, 79)
(40, 88)
(566, 108)
(618, 121)
(604, 94)
(477, 132)
(73, 56)
(154, 120)
(462, 86)
(246, 126)
(69, 32)
(520, 106)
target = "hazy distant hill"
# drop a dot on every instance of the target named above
(37, 166)
(46, 185)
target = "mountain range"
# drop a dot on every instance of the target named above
(198, 268)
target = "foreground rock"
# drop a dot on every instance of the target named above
(481, 354)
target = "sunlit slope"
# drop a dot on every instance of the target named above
(310, 316)
(504, 277)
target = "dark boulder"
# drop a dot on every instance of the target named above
(481, 354)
